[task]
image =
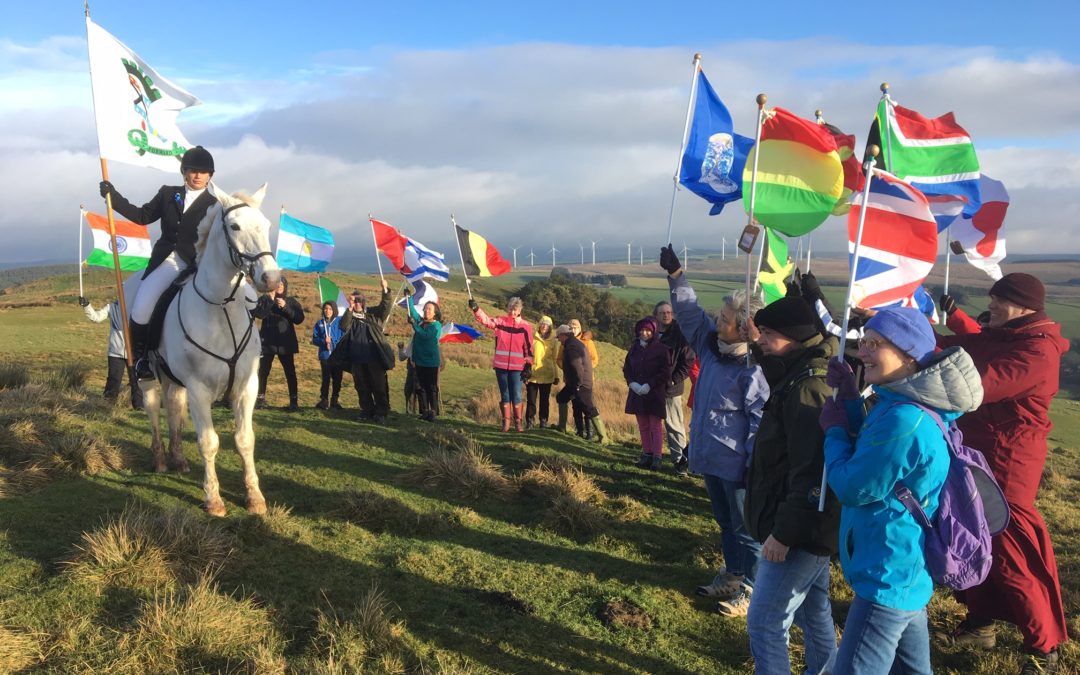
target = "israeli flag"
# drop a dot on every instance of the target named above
(421, 261)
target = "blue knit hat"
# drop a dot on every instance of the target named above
(908, 329)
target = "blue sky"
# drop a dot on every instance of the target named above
(545, 120)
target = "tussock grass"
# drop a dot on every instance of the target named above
(196, 628)
(365, 640)
(144, 548)
(18, 650)
(379, 513)
(69, 375)
(575, 500)
(14, 375)
(456, 463)
(627, 509)
(466, 355)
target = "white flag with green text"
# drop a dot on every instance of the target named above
(136, 108)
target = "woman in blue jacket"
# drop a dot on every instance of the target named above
(728, 399)
(325, 336)
(881, 543)
(425, 355)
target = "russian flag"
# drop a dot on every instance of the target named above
(459, 332)
(899, 243)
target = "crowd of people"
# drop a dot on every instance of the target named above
(807, 451)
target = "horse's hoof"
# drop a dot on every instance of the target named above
(256, 506)
(217, 510)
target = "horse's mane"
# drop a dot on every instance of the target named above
(211, 217)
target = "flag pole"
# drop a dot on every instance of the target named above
(318, 284)
(809, 245)
(795, 267)
(761, 99)
(948, 257)
(761, 256)
(682, 145)
(888, 127)
(375, 241)
(82, 215)
(461, 256)
(868, 170)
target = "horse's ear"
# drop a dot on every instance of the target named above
(257, 198)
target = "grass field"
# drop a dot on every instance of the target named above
(448, 548)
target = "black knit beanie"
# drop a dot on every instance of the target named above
(790, 316)
(1023, 289)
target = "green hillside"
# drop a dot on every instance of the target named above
(411, 547)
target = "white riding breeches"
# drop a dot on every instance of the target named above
(151, 288)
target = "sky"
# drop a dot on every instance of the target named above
(534, 123)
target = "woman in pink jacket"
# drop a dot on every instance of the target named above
(513, 357)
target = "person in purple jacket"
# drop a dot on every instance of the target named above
(647, 370)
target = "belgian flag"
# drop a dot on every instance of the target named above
(478, 256)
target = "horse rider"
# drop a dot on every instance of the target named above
(180, 208)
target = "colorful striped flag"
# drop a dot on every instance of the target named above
(132, 243)
(302, 246)
(328, 290)
(712, 164)
(776, 267)
(478, 256)
(899, 242)
(935, 155)
(459, 332)
(853, 173)
(799, 174)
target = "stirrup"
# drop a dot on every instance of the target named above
(143, 372)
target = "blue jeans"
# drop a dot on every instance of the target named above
(796, 589)
(509, 385)
(741, 551)
(880, 640)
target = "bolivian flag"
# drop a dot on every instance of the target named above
(480, 258)
(799, 174)
(132, 243)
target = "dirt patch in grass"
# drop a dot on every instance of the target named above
(624, 614)
(509, 601)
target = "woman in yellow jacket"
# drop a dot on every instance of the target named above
(545, 373)
(581, 420)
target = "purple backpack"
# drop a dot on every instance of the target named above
(971, 510)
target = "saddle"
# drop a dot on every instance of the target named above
(157, 321)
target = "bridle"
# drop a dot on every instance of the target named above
(238, 258)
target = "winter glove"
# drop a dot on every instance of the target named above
(810, 287)
(105, 187)
(83, 302)
(833, 414)
(636, 388)
(407, 291)
(472, 305)
(841, 378)
(948, 304)
(645, 389)
(526, 372)
(669, 261)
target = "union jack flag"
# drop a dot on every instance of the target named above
(899, 242)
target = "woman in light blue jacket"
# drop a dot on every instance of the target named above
(728, 399)
(881, 543)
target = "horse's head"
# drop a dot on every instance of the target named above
(245, 232)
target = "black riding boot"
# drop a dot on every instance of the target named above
(140, 348)
(587, 423)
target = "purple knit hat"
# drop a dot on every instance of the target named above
(647, 322)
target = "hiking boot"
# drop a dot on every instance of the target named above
(335, 405)
(322, 404)
(655, 462)
(970, 633)
(543, 424)
(260, 402)
(724, 586)
(529, 424)
(1036, 662)
(293, 406)
(738, 605)
(682, 467)
(644, 461)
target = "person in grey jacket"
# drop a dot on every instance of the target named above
(117, 352)
(729, 398)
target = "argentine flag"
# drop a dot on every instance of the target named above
(303, 247)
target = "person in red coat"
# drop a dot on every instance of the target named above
(1018, 356)
(647, 370)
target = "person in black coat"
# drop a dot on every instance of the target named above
(682, 360)
(180, 208)
(369, 354)
(279, 312)
(578, 382)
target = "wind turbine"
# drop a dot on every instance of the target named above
(582, 253)
(531, 256)
(685, 258)
(594, 253)
(641, 256)
(628, 252)
(723, 248)
(553, 252)
(515, 254)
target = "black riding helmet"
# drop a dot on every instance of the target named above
(199, 159)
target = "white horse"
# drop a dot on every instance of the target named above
(209, 342)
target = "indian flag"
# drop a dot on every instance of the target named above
(302, 246)
(799, 174)
(132, 243)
